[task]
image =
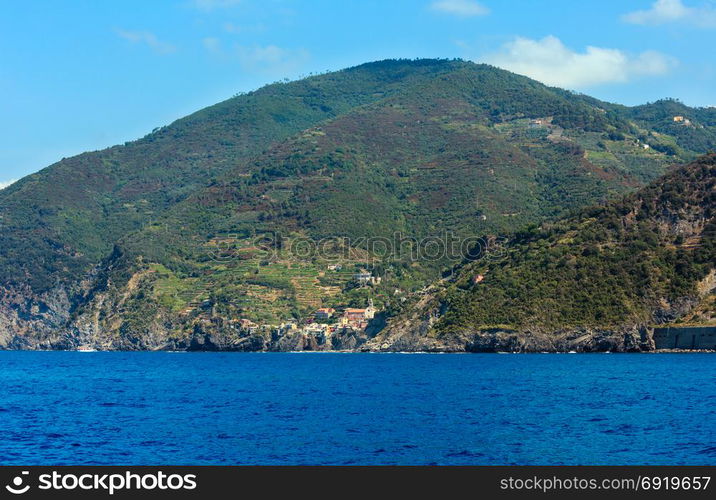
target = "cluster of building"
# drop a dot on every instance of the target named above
(324, 322)
(350, 317)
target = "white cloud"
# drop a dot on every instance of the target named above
(270, 59)
(461, 8)
(551, 62)
(5, 184)
(212, 44)
(672, 11)
(238, 29)
(147, 38)
(215, 4)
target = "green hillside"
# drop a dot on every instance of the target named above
(64, 219)
(202, 221)
(647, 259)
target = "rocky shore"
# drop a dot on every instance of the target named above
(52, 322)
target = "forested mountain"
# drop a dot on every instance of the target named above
(200, 222)
(67, 217)
(644, 260)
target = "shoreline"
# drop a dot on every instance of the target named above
(106, 351)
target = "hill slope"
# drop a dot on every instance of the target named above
(66, 218)
(131, 241)
(585, 281)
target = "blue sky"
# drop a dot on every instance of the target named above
(84, 74)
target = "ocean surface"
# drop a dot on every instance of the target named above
(229, 408)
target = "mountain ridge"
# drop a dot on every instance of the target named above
(384, 139)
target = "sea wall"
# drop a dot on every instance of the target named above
(691, 337)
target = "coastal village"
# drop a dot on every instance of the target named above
(322, 323)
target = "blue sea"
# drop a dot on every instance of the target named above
(304, 409)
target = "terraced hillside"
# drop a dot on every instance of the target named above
(200, 219)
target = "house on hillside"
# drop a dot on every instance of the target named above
(246, 325)
(364, 277)
(353, 316)
(324, 313)
(317, 328)
(370, 310)
(358, 318)
(288, 326)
